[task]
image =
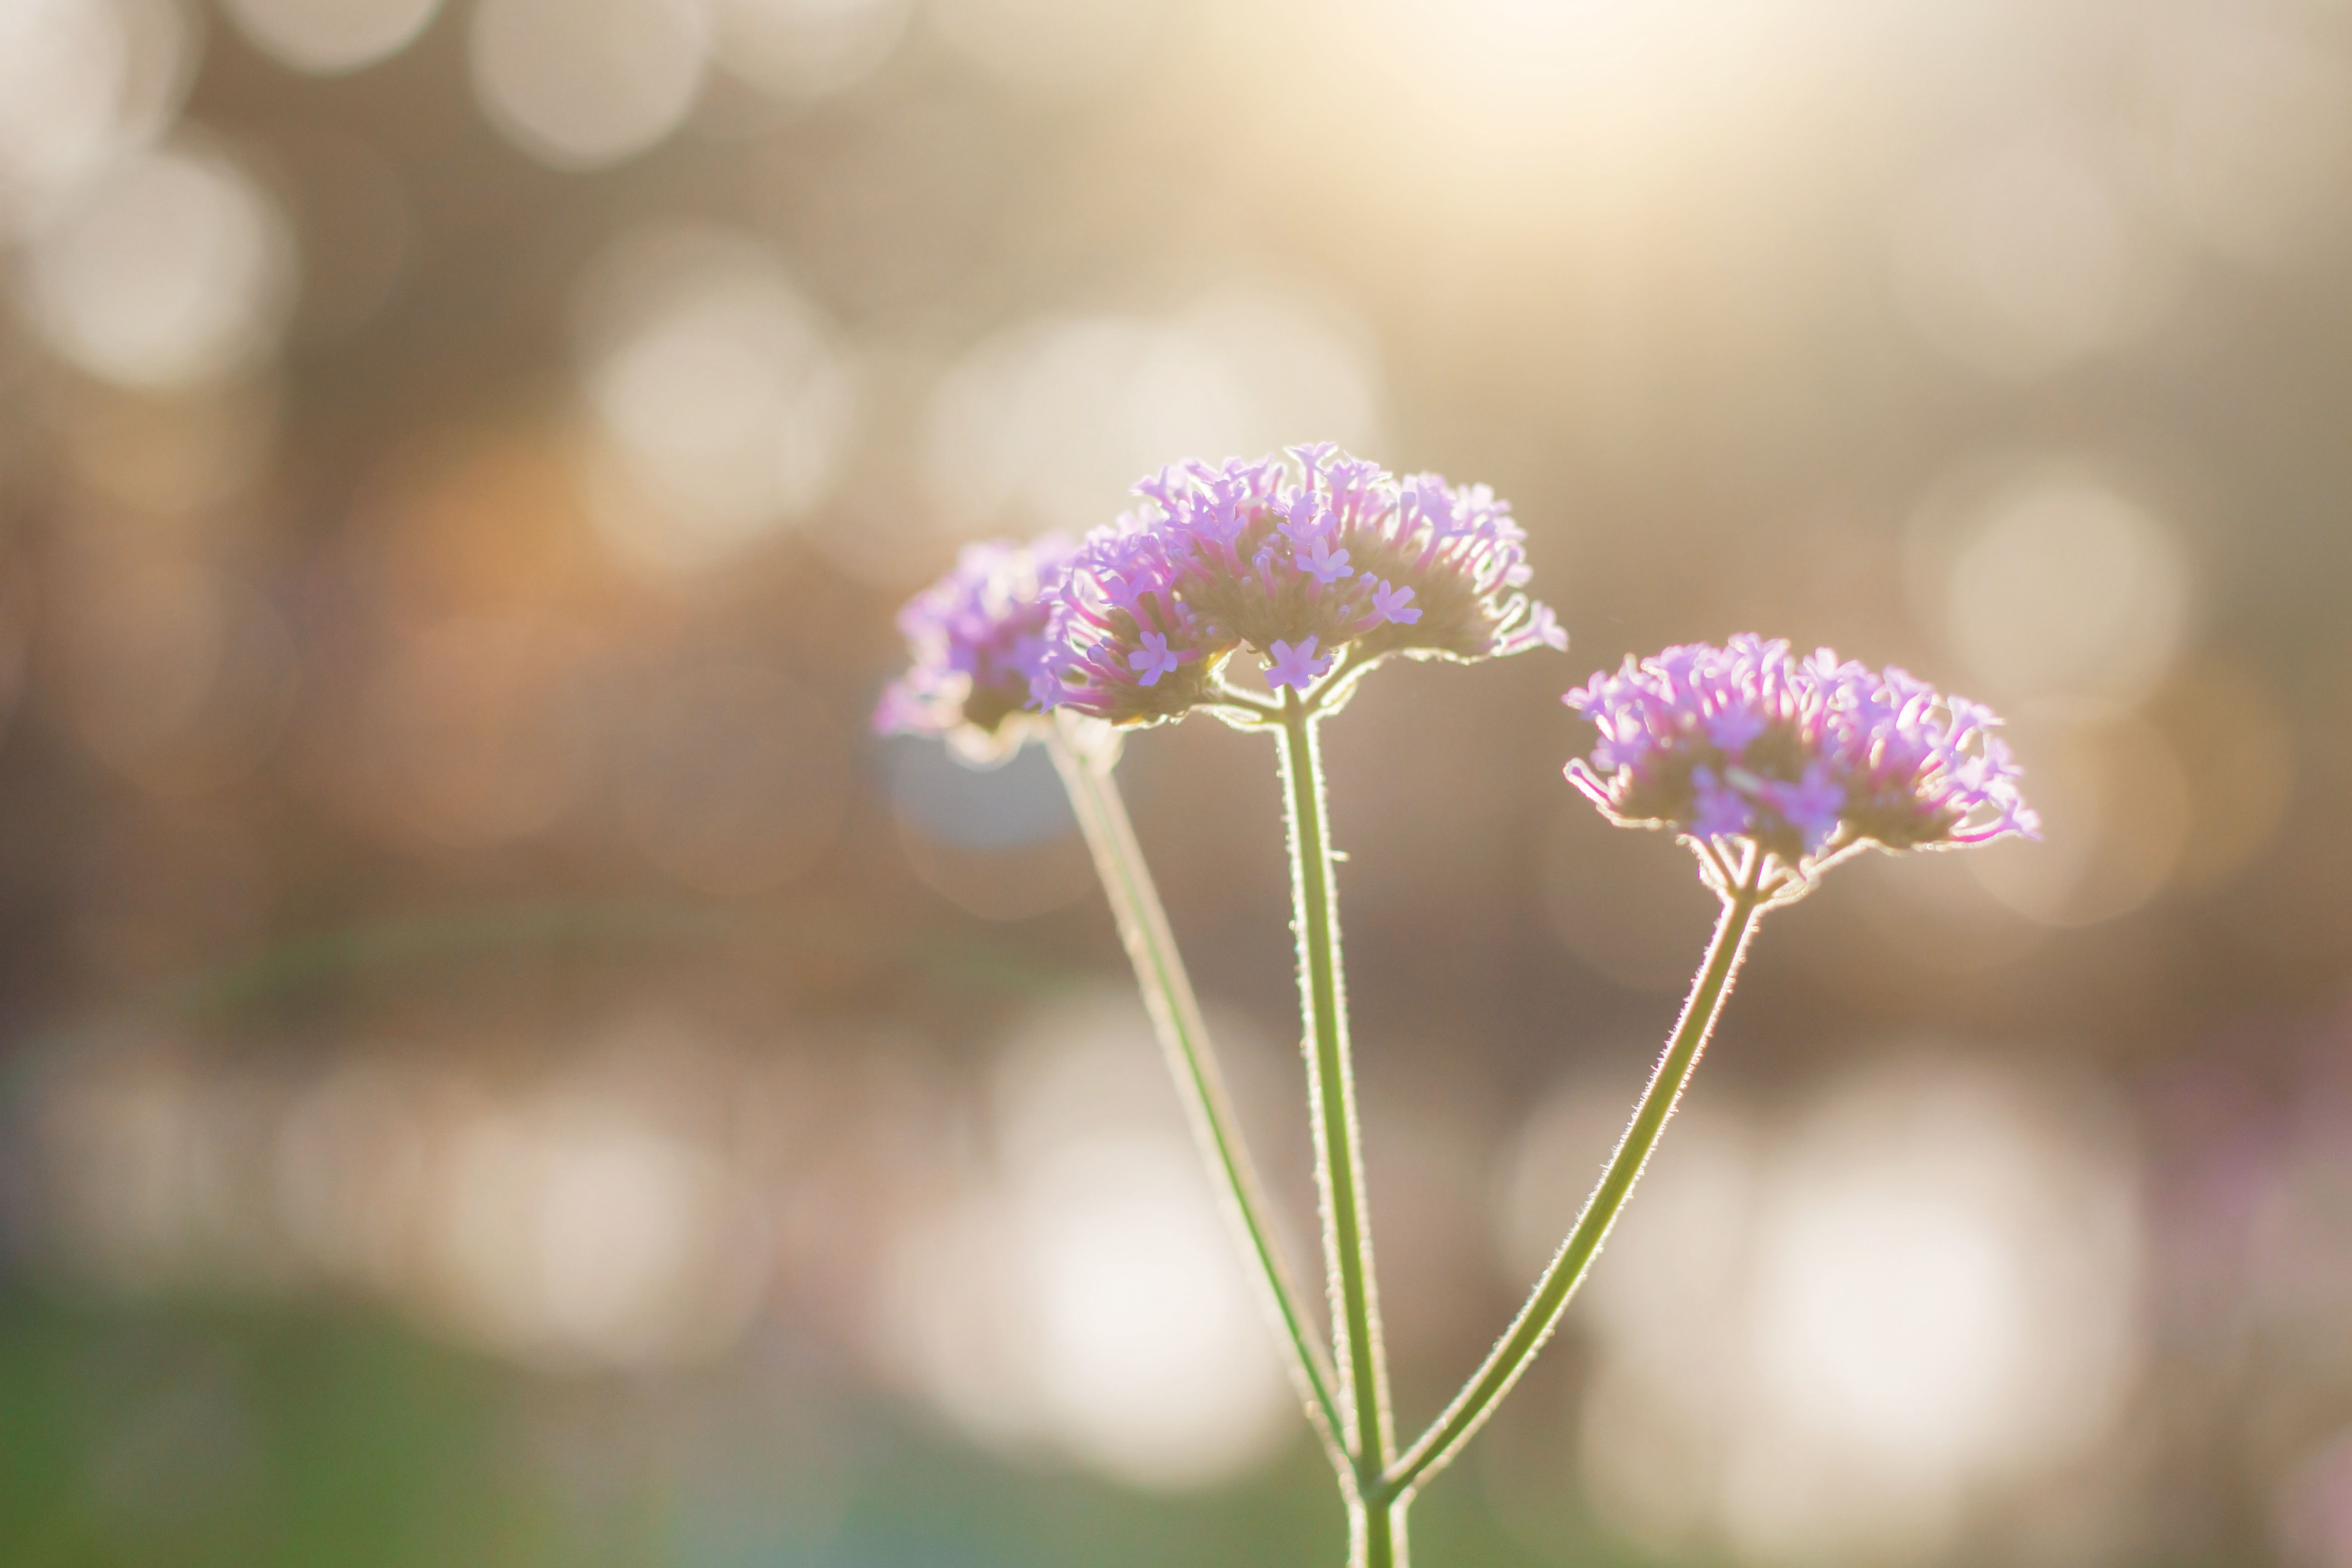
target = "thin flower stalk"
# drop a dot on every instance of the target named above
(1085, 764)
(1378, 1528)
(1538, 1318)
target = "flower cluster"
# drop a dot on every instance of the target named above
(1336, 560)
(977, 637)
(1799, 757)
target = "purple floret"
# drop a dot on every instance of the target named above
(976, 639)
(1156, 658)
(1326, 551)
(1391, 604)
(1295, 667)
(1804, 759)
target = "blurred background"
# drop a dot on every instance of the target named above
(498, 1067)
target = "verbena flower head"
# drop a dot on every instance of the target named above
(1804, 759)
(1332, 562)
(977, 640)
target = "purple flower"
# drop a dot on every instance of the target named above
(1389, 603)
(1303, 519)
(1326, 550)
(1322, 562)
(1804, 759)
(1721, 811)
(1540, 630)
(977, 645)
(1295, 667)
(1810, 805)
(1155, 660)
(1729, 730)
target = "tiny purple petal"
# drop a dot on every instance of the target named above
(1390, 603)
(1154, 660)
(1304, 522)
(1294, 666)
(1540, 630)
(1325, 565)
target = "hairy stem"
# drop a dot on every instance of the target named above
(1338, 1165)
(1536, 1319)
(1376, 1534)
(1176, 1017)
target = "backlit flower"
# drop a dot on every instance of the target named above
(977, 641)
(1804, 759)
(1329, 559)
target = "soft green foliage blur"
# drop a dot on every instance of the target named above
(328, 1437)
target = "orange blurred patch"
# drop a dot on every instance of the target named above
(474, 523)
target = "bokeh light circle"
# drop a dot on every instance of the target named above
(1054, 418)
(82, 81)
(1083, 1295)
(2115, 812)
(174, 268)
(579, 84)
(61, 66)
(1920, 1292)
(327, 36)
(805, 48)
(717, 393)
(2052, 580)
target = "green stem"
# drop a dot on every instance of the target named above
(1376, 1534)
(1176, 1017)
(1536, 1319)
(1338, 1165)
